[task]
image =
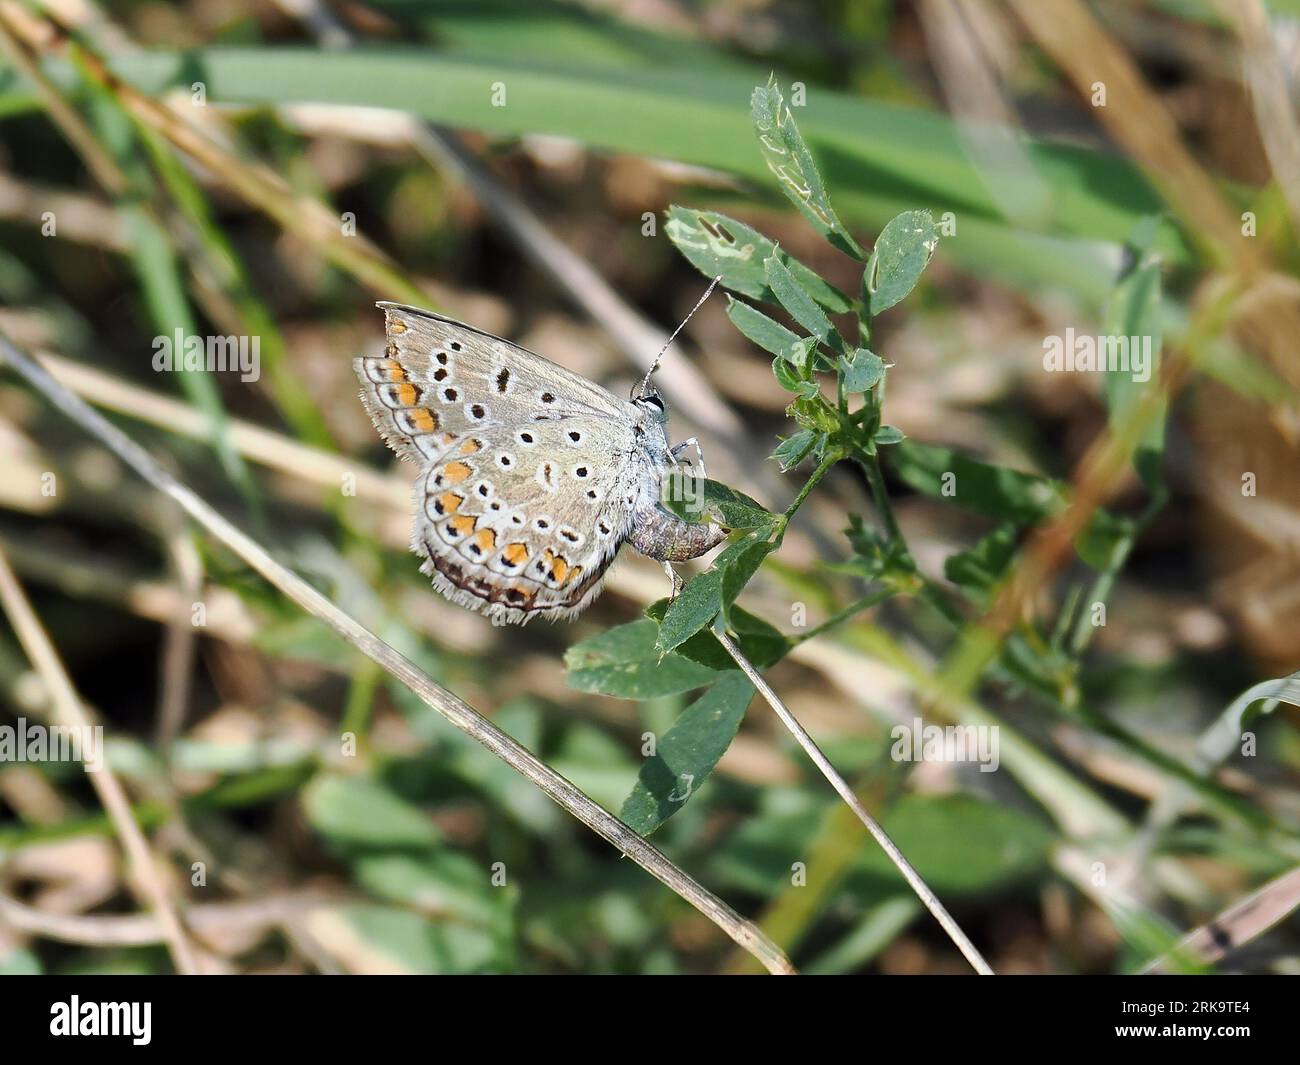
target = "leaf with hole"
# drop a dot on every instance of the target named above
(791, 163)
(900, 257)
(719, 246)
(861, 370)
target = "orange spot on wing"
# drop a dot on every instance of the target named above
(464, 524)
(397, 327)
(455, 472)
(573, 574)
(559, 567)
(515, 554)
(470, 446)
(407, 394)
(392, 370)
(424, 421)
(450, 501)
(486, 539)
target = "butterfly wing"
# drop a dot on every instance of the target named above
(526, 490)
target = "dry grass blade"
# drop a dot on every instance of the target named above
(69, 713)
(1241, 922)
(255, 182)
(455, 710)
(1070, 33)
(138, 929)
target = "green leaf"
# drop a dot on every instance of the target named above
(794, 449)
(682, 495)
(735, 510)
(1104, 540)
(697, 499)
(803, 356)
(889, 434)
(978, 569)
(626, 663)
(1134, 318)
(898, 260)
(873, 553)
(788, 378)
(356, 811)
(696, 605)
(441, 881)
(771, 336)
(1008, 495)
(386, 940)
(960, 845)
(792, 165)
(686, 754)
(813, 412)
(800, 305)
(964, 843)
(761, 643)
(1045, 670)
(719, 246)
(861, 370)
(739, 566)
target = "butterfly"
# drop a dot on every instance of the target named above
(531, 477)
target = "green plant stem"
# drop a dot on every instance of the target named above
(829, 460)
(841, 616)
(1099, 592)
(880, 497)
(360, 700)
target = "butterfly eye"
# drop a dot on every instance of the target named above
(651, 399)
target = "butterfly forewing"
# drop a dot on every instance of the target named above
(526, 491)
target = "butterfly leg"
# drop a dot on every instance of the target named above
(675, 578)
(699, 453)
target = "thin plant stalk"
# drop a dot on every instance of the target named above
(809, 745)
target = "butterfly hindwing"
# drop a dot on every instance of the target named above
(522, 520)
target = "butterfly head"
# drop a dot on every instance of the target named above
(650, 401)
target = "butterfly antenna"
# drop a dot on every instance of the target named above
(645, 381)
